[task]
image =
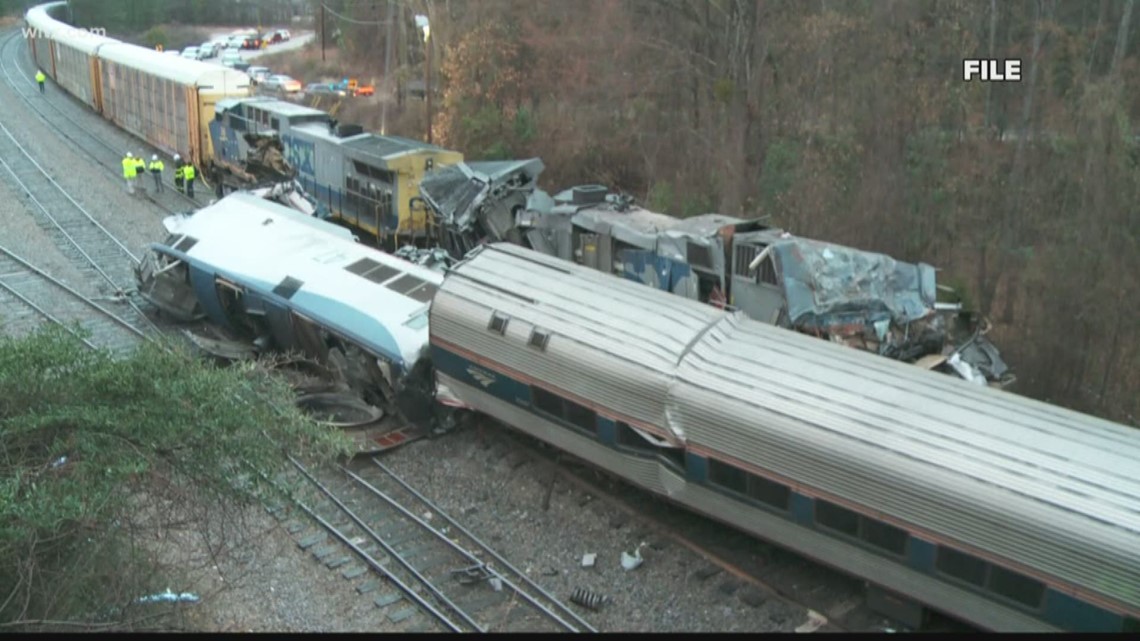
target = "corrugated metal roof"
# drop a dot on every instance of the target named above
(583, 305)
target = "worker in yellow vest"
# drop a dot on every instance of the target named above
(40, 78)
(179, 167)
(156, 166)
(188, 175)
(140, 165)
(130, 171)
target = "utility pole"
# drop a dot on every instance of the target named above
(422, 23)
(390, 19)
(322, 32)
(427, 86)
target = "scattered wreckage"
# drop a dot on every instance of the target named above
(857, 298)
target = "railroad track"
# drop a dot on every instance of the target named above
(73, 229)
(30, 297)
(106, 154)
(426, 571)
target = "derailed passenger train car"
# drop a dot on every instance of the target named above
(992, 508)
(282, 281)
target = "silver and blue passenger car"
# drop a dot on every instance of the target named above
(992, 508)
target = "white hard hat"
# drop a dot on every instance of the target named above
(176, 156)
(130, 155)
(154, 157)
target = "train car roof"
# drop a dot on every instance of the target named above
(175, 68)
(74, 37)
(385, 147)
(272, 105)
(584, 305)
(371, 298)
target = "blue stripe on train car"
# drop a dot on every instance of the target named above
(607, 431)
(803, 509)
(920, 554)
(696, 468)
(498, 385)
(206, 290)
(1073, 614)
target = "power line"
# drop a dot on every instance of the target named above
(354, 20)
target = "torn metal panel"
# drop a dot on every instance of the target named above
(226, 350)
(828, 284)
(164, 281)
(480, 201)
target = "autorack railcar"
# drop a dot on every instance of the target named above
(1005, 512)
(167, 101)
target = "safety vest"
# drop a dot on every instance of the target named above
(40, 77)
(130, 169)
(188, 172)
(179, 170)
(156, 165)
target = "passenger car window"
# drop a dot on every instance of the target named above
(961, 566)
(835, 517)
(1016, 586)
(727, 476)
(882, 535)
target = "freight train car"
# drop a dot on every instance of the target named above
(992, 508)
(167, 101)
(68, 55)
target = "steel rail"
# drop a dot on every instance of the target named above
(110, 166)
(455, 524)
(60, 284)
(393, 554)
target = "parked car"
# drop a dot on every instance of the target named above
(278, 35)
(324, 88)
(258, 74)
(230, 57)
(190, 53)
(282, 83)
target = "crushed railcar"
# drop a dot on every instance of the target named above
(276, 280)
(862, 299)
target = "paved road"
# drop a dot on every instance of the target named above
(296, 42)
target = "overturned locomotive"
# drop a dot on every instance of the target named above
(277, 280)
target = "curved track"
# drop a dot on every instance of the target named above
(105, 153)
(29, 296)
(443, 577)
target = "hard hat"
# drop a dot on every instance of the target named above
(154, 157)
(130, 155)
